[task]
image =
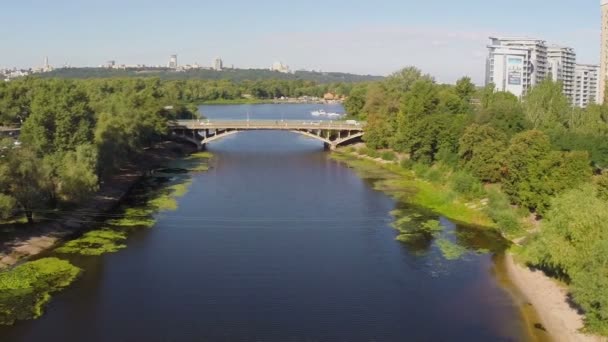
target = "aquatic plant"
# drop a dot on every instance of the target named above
(431, 227)
(25, 289)
(96, 242)
(450, 250)
(134, 217)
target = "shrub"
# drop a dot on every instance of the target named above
(407, 163)
(388, 155)
(467, 185)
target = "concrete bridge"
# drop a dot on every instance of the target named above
(9, 131)
(331, 133)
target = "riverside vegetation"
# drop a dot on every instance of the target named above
(536, 168)
(75, 134)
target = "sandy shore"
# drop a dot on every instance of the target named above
(549, 299)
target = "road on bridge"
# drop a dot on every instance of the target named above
(268, 125)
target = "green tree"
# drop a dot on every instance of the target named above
(22, 178)
(521, 163)
(480, 150)
(504, 112)
(465, 89)
(356, 101)
(546, 106)
(573, 243)
(61, 118)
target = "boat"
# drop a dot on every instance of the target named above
(334, 115)
(319, 112)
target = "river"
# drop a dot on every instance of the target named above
(277, 242)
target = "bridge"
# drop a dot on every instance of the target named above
(10, 131)
(202, 132)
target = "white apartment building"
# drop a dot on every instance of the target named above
(516, 64)
(562, 62)
(172, 62)
(586, 85)
(217, 64)
(280, 67)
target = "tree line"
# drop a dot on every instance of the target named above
(234, 75)
(547, 156)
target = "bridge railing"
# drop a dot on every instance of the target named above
(269, 124)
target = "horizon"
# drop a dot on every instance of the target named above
(349, 37)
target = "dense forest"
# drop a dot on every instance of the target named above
(546, 157)
(74, 132)
(236, 75)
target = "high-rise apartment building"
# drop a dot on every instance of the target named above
(218, 64)
(516, 64)
(586, 85)
(172, 62)
(561, 65)
(604, 52)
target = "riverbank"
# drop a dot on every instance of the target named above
(550, 302)
(24, 241)
(403, 185)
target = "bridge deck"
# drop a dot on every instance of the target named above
(9, 129)
(267, 125)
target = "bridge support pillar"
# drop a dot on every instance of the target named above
(330, 147)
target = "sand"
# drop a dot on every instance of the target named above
(550, 300)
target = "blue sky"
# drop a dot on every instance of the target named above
(445, 38)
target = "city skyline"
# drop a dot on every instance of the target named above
(356, 37)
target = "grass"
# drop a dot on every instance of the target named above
(405, 185)
(26, 289)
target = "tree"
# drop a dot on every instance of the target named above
(504, 112)
(546, 106)
(480, 150)
(61, 118)
(356, 101)
(532, 173)
(573, 243)
(521, 163)
(77, 175)
(465, 89)
(22, 178)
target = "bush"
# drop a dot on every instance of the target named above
(434, 175)
(467, 185)
(407, 164)
(420, 169)
(388, 156)
(500, 211)
(369, 152)
(350, 149)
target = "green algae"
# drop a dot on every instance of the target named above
(134, 217)
(163, 202)
(450, 250)
(26, 289)
(96, 242)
